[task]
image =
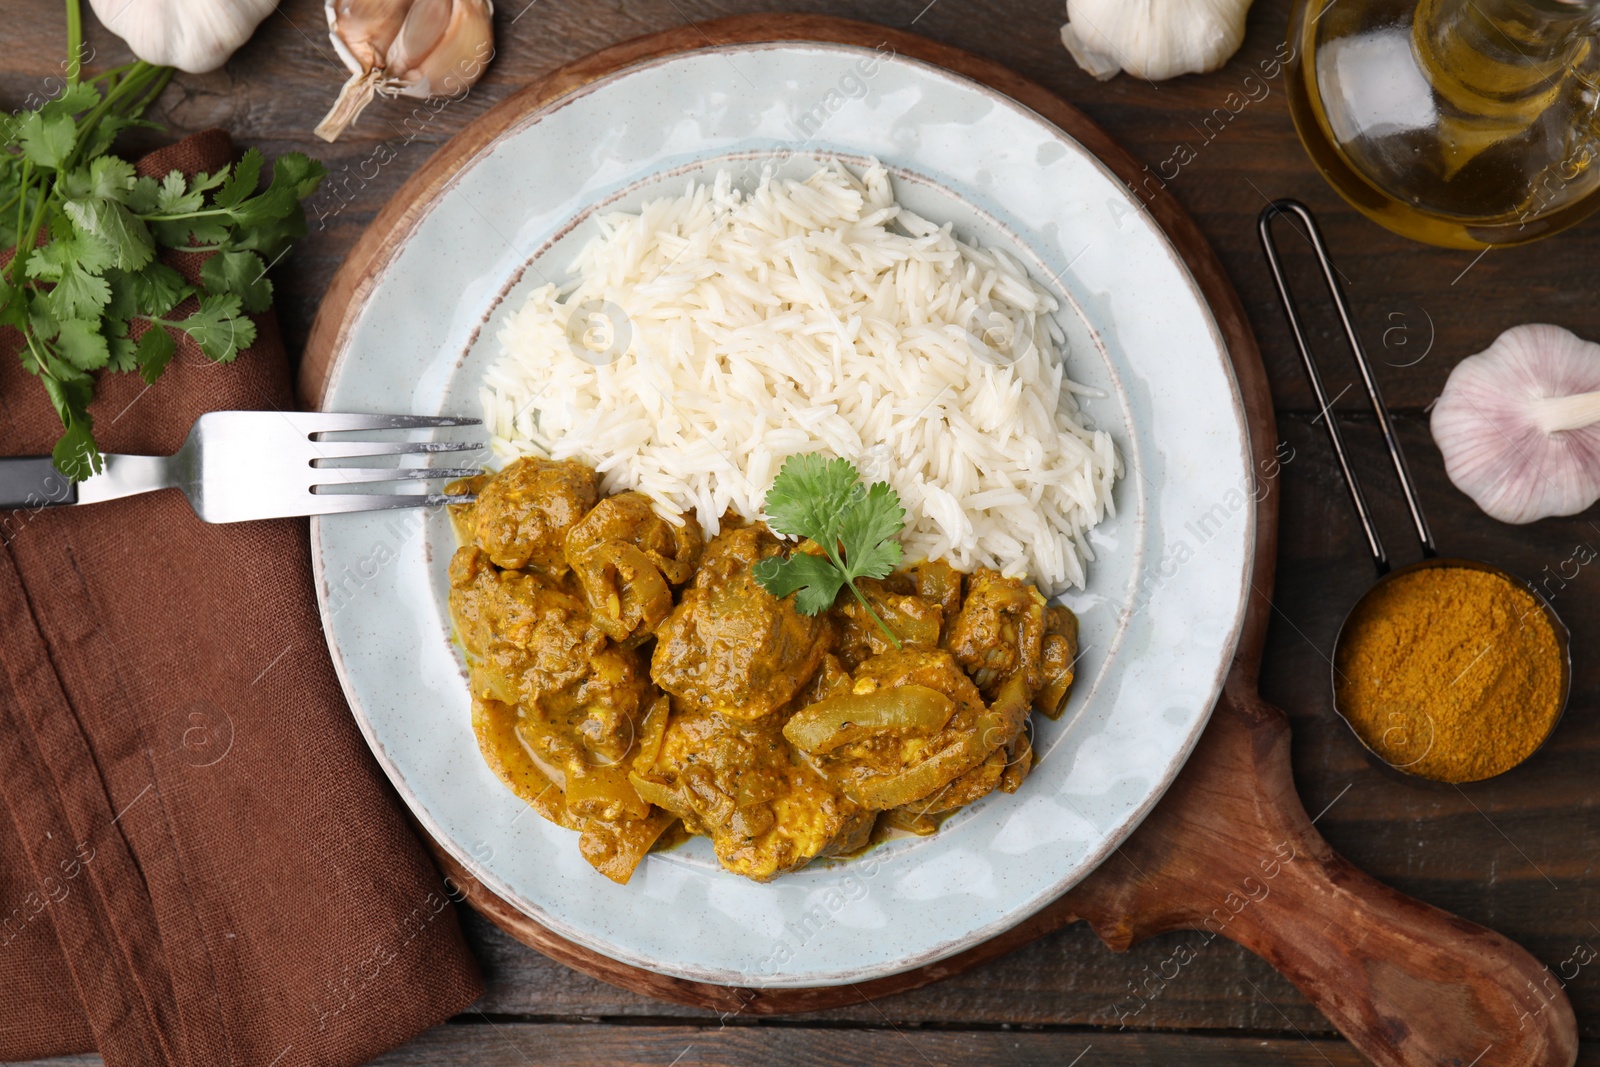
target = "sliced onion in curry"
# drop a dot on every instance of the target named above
(999, 723)
(604, 792)
(658, 793)
(849, 717)
(624, 588)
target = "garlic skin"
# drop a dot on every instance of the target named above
(1519, 424)
(415, 48)
(193, 35)
(1153, 39)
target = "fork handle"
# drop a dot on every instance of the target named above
(33, 482)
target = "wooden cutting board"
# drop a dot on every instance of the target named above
(1229, 851)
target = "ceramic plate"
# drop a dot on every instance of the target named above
(1165, 596)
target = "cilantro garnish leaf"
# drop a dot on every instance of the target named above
(219, 328)
(79, 294)
(869, 530)
(75, 454)
(80, 343)
(810, 494)
(240, 273)
(65, 254)
(154, 353)
(823, 500)
(815, 578)
(107, 178)
(242, 182)
(73, 99)
(47, 141)
(114, 226)
(151, 292)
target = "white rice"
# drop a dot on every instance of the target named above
(815, 316)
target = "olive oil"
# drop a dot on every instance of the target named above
(1465, 123)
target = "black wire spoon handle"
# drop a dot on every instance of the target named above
(1291, 311)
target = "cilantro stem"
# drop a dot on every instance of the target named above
(834, 557)
(41, 359)
(137, 78)
(157, 84)
(74, 41)
(178, 217)
(881, 624)
(113, 73)
(27, 236)
(22, 215)
(140, 76)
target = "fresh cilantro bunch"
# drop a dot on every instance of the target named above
(85, 230)
(855, 527)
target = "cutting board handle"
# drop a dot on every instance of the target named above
(1230, 853)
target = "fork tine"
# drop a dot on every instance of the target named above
(327, 504)
(360, 449)
(338, 476)
(311, 422)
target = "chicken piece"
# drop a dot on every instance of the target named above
(536, 647)
(626, 558)
(629, 518)
(614, 847)
(895, 768)
(738, 782)
(555, 708)
(524, 512)
(731, 646)
(1057, 659)
(999, 631)
(915, 621)
(461, 514)
(831, 679)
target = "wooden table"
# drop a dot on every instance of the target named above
(1520, 854)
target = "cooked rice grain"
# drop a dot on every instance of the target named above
(815, 316)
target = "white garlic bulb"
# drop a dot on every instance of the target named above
(416, 48)
(1519, 424)
(1153, 39)
(192, 35)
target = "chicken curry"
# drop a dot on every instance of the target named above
(633, 682)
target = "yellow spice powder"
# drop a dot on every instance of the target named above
(1450, 673)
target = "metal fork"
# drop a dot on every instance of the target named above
(238, 465)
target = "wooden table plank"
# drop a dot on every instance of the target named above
(483, 1042)
(1517, 854)
(486, 1043)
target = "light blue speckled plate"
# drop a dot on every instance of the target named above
(1165, 599)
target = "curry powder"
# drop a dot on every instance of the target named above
(1450, 673)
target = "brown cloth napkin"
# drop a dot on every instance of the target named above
(200, 863)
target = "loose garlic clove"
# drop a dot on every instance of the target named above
(416, 48)
(1519, 424)
(193, 35)
(1153, 39)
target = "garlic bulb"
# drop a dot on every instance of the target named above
(416, 48)
(1519, 424)
(192, 35)
(1153, 39)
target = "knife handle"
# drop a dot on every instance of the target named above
(33, 482)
